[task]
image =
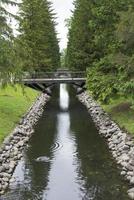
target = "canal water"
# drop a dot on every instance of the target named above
(66, 159)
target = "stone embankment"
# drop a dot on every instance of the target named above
(12, 148)
(120, 143)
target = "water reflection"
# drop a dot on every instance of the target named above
(64, 97)
(63, 174)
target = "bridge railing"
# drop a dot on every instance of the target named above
(53, 75)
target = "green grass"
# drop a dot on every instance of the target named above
(13, 104)
(121, 112)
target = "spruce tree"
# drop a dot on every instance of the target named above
(80, 36)
(37, 43)
(6, 42)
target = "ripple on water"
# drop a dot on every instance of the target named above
(56, 146)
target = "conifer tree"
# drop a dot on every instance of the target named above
(6, 42)
(80, 36)
(38, 43)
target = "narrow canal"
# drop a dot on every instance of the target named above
(66, 158)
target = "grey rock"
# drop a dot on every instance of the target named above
(12, 164)
(132, 180)
(124, 157)
(5, 179)
(131, 162)
(131, 193)
(129, 167)
(4, 187)
(123, 173)
(21, 143)
(7, 147)
(42, 159)
(130, 173)
(2, 169)
(12, 180)
(131, 190)
(6, 166)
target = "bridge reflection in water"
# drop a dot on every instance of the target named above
(64, 97)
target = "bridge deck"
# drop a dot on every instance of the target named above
(53, 80)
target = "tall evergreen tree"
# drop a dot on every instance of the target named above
(6, 42)
(80, 36)
(38, 43)
(5, 30)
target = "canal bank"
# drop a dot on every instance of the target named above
(11, 151)
(15, 100)
(66, 158)
(120, 143)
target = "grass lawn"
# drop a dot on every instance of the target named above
(121, 112)
(13, 104)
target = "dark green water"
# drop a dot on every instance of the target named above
(77, 166)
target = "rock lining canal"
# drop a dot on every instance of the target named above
(66, 158)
